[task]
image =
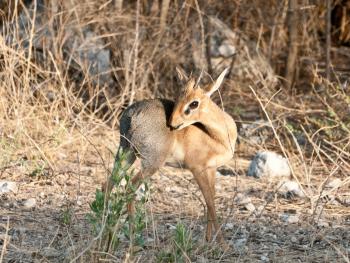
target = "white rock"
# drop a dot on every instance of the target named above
(80, 200)
(290, 219)
(290, 188)
(170, 226)
(268, 164)
(6, 187)
(228, 226)
(49, 252)
(322, 223)
(29, 203)
(264, 258)
(242, 199)
(239, 244)
(250, 207)
(226, 49)
(335, 183)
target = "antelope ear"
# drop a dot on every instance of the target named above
(181, 74)
(214, 87)
(190, 85)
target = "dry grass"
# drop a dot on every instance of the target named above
(58, 131)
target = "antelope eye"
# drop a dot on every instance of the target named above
(193, 105)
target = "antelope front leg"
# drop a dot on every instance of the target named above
(206, 182)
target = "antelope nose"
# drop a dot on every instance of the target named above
(176, 127)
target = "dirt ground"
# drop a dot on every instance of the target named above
(56, 228)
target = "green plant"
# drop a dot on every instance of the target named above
(108, 216)
(183, 242)
(66, 215)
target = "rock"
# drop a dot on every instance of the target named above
(322, 223)
(269, 164)
(290, 189)
(264, 258)
(83, 49)
(80, 200)
(250, 63)
(242, 199)
(228, 226)
(226, 49)
(29, 203)
(50, 252)
(170, 226)
(335, 183)
(250, 207)
(6, 187)
(245, 201)
(290, 219)
(240, 243)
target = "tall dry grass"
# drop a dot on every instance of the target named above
(51, 106)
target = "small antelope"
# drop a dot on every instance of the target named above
(193, 133)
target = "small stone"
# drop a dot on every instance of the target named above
(29, 203)
(260, 209)
(227, 50)
(290, 219)
(294, 239)
(239, 244)
(150, 240)
(170, 226)
(269, 164)
(322, 223)
(6, 187)
(290, 189)
(335, 183)
(79, 201)
(242, 199)
(250, 207)
(228, 226)
(49, 252)
(264, 258)
(42, 195)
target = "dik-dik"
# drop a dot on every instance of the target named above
(192, 133)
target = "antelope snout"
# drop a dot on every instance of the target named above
(174, 123)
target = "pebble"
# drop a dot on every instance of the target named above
(290, 219)
(170, 226)
(227, 50)
(29, 203)
(80, 200)
(228, 226)
(250, 207)
(242, 199)
(269, 164)
(264, 258)
(49, 252)
(335, 183)
(6, 187)
(322, 223)
(290, 189)
(239, 244)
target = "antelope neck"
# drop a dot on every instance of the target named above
(219, 125)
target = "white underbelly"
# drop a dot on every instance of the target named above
(176, 157)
